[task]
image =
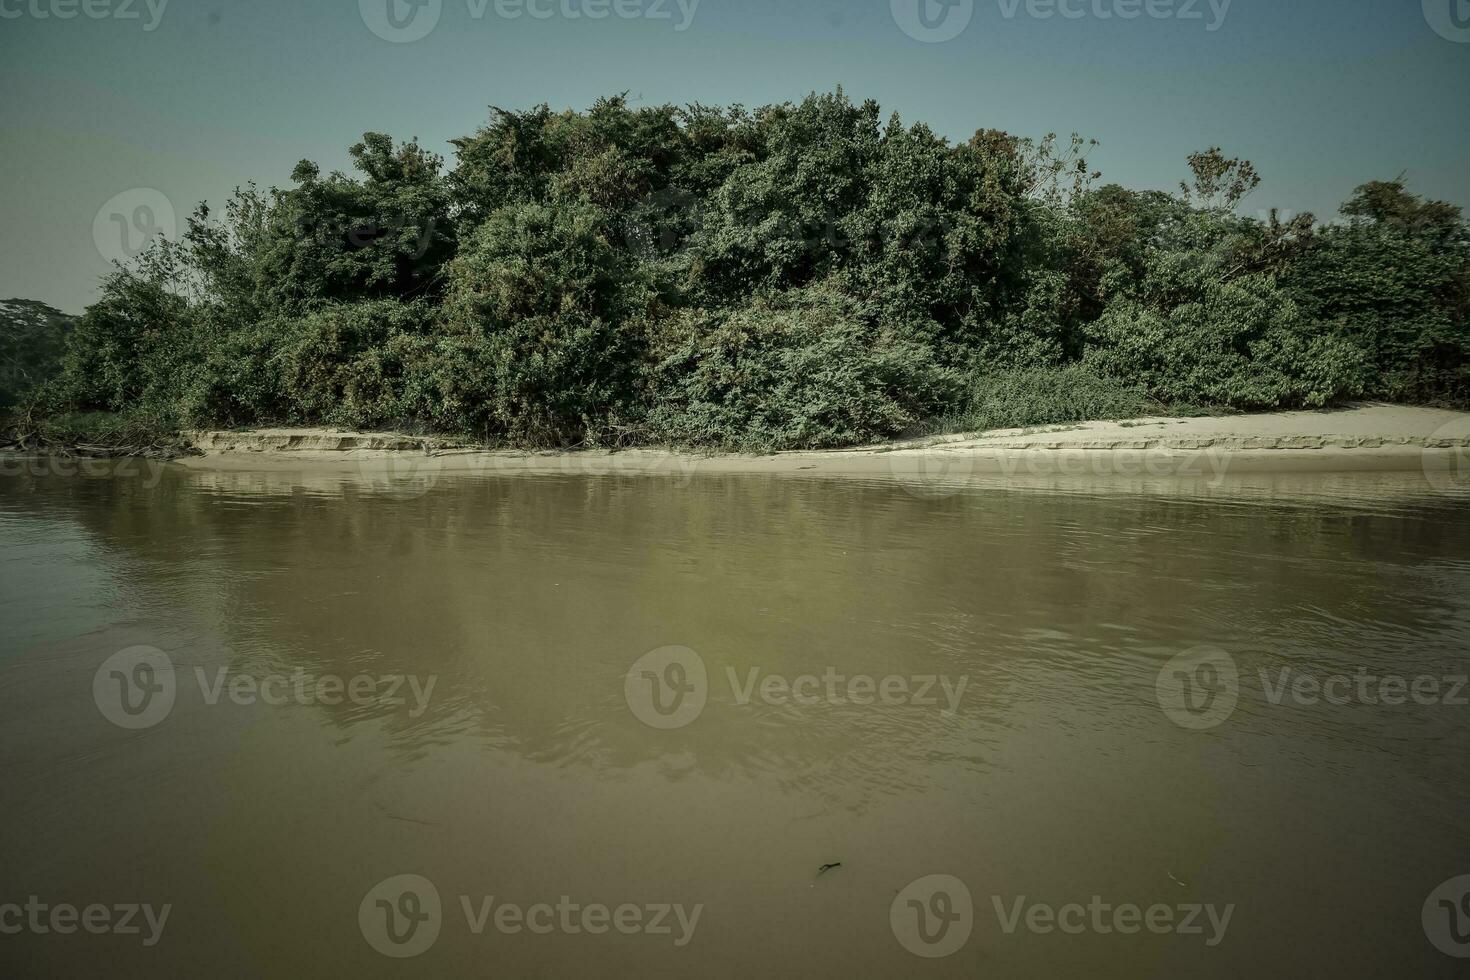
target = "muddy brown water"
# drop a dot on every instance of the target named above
(613, 726)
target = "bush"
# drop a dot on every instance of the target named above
(557, 380)
(1241, 344)
(128, 349)
(547, 302)
(349, 364)
(1051, 396)
(1396, 281)
(778, 377)
(533, 260)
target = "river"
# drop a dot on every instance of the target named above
(565, 725)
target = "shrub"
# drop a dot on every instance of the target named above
(348, 364)
(557, 380)
(1396, 281)
(546, 302)
(1240, 344)
(129, 348)
(777, 377)
(1051, 396)
(533, 260)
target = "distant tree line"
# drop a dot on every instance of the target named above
(32, 340)
(799, 276)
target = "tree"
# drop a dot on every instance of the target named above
(32, 339)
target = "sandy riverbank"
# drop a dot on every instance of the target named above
(1376, 438)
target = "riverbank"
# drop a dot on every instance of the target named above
(1373, 438)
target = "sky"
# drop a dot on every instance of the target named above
(119, 116)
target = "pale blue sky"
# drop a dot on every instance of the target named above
(1321, 94)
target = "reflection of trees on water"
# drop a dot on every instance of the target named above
(529, 597)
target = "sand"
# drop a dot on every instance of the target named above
(1376, 438)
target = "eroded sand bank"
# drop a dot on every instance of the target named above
(1368, 438)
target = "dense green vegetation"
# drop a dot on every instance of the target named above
(32, 339)
(803, 275)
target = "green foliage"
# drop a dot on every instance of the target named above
(130, 348)
(32, 340)
(354, 364)
(793, 373)
(535, 260)
(549, 303)
(1241, 344)
(335, 238)
(1395, 282)
(800, 275)
(1051, 396)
